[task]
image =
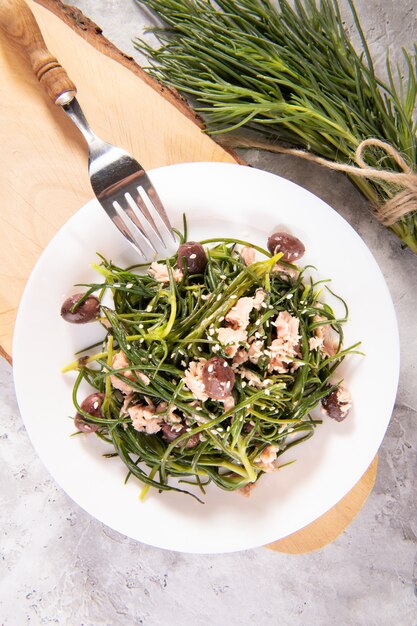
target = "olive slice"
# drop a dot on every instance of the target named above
(192, 257)
(87, 311)
(337, 404)
(218, 378)
(292, 248)
(169, 433)
(92, 405)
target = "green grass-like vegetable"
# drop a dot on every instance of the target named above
(291, 72)
(162, 328)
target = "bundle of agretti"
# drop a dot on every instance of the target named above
(292, 74)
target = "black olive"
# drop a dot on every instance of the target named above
(218, 378)
(169, 433)
(87, 311)
(192, 257)
(292, 248)
(334, 406)
(81, 424)
(92, 405)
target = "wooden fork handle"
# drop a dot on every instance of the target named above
(19, 24)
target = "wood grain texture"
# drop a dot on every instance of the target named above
(329, 526)
(18, 23)
(43, 159)
(92, 33)
(43, 167)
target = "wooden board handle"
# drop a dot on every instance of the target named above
(19, 24)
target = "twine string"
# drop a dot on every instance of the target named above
(389, 211)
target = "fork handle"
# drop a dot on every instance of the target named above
(19, 24)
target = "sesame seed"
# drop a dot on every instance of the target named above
(149, 308)
(228, 384)
(204, 297)
(223, 276)
(221, 318)
(200, 349)
(225, 364)
(290, 430)
(263, 305)
(140, 326)
(129, 347)
(140, 341)
(210, 368)
(220, 430)
(190, 345)
(243, 384)
(267, 392)
(95, 405)
(183, 363)
(211, 331)
(257, 335)
(217, 347)
(129, 285)
(233, 297)
(198, 408)
(219, 297)
(289, 296)
(193, 256)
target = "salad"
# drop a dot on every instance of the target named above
(211, 362)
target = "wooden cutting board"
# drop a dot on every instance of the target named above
(44, 179)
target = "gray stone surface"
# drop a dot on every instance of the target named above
(58, 565)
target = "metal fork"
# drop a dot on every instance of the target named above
(125, 192)
(120, 184)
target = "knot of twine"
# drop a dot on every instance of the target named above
(389, 211)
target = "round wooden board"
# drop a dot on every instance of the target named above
(44, 171)
(326, 528)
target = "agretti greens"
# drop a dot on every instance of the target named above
(290, 72)
(164, 327)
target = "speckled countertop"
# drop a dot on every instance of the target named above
(60, 566)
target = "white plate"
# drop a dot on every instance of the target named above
(219, 200)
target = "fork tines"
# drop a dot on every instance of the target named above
(139, 214)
